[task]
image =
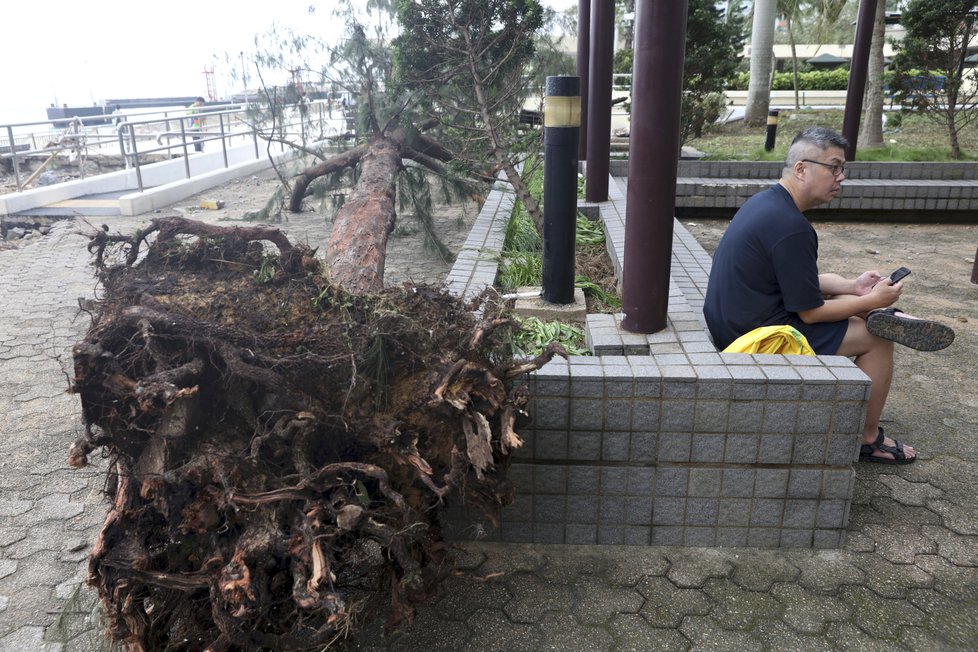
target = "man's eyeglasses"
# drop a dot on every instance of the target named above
(836, 169)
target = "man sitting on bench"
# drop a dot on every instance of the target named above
(765, 272)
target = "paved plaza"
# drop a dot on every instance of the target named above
(907, 577)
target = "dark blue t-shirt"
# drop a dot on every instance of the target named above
(765, 271)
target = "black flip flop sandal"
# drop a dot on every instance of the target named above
(899, 457)
(920, 334)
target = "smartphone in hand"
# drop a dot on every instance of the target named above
(898, 275)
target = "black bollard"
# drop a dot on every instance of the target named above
(561, 133)
(772, 129)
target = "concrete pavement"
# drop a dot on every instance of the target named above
(906, 579)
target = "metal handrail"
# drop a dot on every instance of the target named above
(128, 133)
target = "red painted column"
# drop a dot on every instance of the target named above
(657, 84)
(583, 61)
(599, 100)
(858, 68)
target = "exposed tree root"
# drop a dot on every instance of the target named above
(279, 446)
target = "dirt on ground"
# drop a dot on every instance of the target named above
(933, 399)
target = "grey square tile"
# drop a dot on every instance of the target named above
(707, 448)
(700, 537)
(587, 387)
(713, 390)
(521, 475)
(764, 537)
(550, 479)
(766, 512)
(738, 483)
(796, 538)
(741, 449)
(731, 537)
(702, 511)
(641, 481)
(750, 391)
(832, 514)
(637, 535)
(584, 480)
(711, 416)
(704, 482)
(848, 418)
(609, 535)
(809, 449)
(805, 483)
(586, 414)
(674, 446)
(746, 416)
(814, 417)
(734, 512)
(828, 539)
(643, 447)
(677, 415)
(783, 391)
(638, 510)
(549, 413)
(584, 445)
(615, 446)
(645, 415)
(582, 508)
(520, 510)
(843, 449)
(550, 508)
(548, 532)
(671, 390)
(515, 533)
(771, 483)
(667, 536)
(614, 480)
(671, 481)
(800, 513)
(617, 415)
(550, 445)
(838, 483)
(668, 511)
(780, 418)
(612, 510)
(581, 534)
(775, 449)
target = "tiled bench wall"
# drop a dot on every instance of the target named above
(869, 185)
(660, 439)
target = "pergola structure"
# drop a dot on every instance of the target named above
(657, 72)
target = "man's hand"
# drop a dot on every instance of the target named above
(865, 282)
(887, 294)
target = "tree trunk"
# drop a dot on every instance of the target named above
(794, 63)
(357, 244)
(761, 47)
(871, 134)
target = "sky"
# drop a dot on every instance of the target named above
(84, 53)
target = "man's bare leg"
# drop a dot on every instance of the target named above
(875, 357)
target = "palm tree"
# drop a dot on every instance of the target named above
(761, 62)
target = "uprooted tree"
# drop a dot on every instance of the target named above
(278, 446)
(280, 433)
(454, 132)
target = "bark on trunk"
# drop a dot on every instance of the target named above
(761, 47)
(871, 134)
(357, 245)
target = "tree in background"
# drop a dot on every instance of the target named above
(712, 55)
(871, 128)
(468, 58)
(761, 62)
(936, 42)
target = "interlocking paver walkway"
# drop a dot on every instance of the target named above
(906, 579)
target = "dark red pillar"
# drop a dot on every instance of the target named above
(599, 100)
(857, 74)
(583, 61)
(657, 84)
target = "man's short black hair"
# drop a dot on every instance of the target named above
(198, 99)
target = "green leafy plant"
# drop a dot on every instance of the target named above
(536, 334)
(594, 290)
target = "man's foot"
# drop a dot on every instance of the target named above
(886, 451)
(921, 334)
